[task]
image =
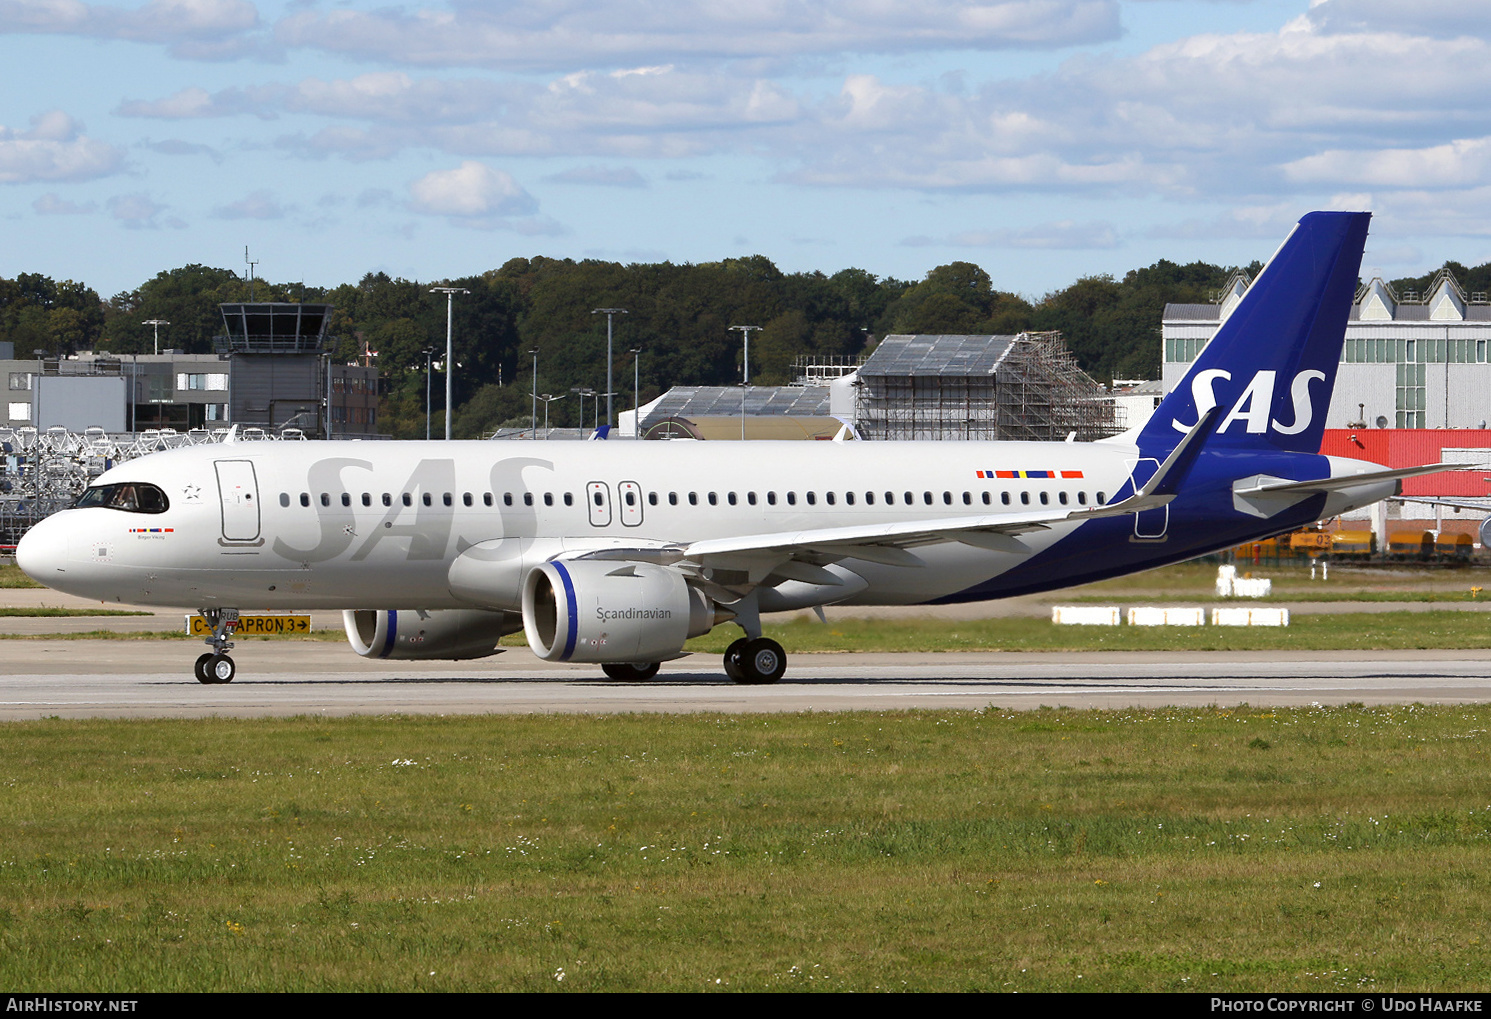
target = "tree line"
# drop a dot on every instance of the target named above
(678, 317)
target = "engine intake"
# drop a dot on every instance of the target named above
(596, 611)
(427, 634)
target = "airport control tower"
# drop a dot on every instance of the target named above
(283, 376)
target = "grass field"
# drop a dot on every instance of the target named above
(1366, 631)
(1179, 849)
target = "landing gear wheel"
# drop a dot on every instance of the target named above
(735, 660)
(220, 669)
(200, 669)
(629, 671)
(755, 662)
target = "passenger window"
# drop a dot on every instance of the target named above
(751, 498)
(548, 498)
(486, 498)
(407, 499)
(947, 498)
(987, 500)
(771, 498)
(693, 498)
(507, 498)
(714, 500)
(1004, 497)
(1100, 499)
(791, 498)
(1061, 497)
(569, 498)
(599, 499)
(812, 498)
(849, 498)
(387, 499)
(730, 498)
(631, 498)
(651, 499)
(1025, 498)
(284, 498)
(1082, 498)
(927, 498)
(465, 498)
(967, 499)
(672, 498)
(305, 498)
(527, 498)
(828, 497)
(346, 499)
(1045, 498)
(424, 497)
(869, 498)
(367, 498)
(445, 499)
(909, 499)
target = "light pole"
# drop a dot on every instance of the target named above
(582, 392)
(534, 424)
(548, 400)
(637, 392)
(157, 322)
(428, 354)
(450, 354)
(598, 407)
(745, 367)
(608, 312)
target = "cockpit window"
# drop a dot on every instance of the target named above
(132, 497)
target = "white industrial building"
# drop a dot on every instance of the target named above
(1410, 360)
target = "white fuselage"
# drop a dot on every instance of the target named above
(260, 525)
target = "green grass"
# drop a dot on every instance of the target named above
(46, 612)
(11, 576)
(1366, 631)
(1174, 849)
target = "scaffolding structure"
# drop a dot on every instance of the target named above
(1023, 387)
(45, 470)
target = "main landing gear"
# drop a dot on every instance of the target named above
(630, 671)
(215, 666)
(755, 661)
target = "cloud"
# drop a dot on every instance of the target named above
(139, 211)
(1460, 163)
(1443, 19)
(197, 29)
(55, 149)
(178, 147)
(472, 190)
(51, 204)
(602, 176)
(533, 35)
(258, 205)
(1064, 235)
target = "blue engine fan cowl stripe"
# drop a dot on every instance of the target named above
(391, 633)
(572, 630)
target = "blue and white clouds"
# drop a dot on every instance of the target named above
(1045, 138)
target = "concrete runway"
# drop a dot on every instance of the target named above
(151, 679)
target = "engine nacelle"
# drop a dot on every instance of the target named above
(596, 611)
(424, 634)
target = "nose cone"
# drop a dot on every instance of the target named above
(42, 553)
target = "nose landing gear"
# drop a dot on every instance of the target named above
(215, 666)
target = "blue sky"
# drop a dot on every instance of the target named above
(1043, 139)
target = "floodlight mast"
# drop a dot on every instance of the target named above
(608, 312)
(157, 322)
(450, 360)
(745, 366)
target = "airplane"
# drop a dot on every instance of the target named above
(615, 553)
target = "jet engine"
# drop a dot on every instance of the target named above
(420, 634)
(597, 611)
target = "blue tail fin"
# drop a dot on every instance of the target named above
(1272, 364)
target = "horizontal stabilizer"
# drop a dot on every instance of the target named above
(1349, 480)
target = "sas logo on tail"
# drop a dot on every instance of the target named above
(1253, 406)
